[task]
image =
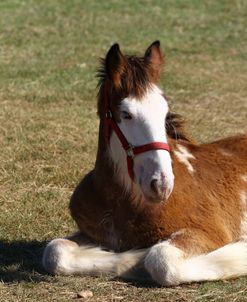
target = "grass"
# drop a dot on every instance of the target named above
(49, 53)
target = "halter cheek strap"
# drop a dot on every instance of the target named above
(131, 151)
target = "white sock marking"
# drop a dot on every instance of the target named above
(168, 265)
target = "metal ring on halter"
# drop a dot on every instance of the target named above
(130, 152)
(108, 114)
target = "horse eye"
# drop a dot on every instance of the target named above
(126, 115)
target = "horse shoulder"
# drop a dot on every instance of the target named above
(209, 195)
(87, 208)
(233, 146)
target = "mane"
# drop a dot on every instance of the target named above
(135, 79)
(175, 127)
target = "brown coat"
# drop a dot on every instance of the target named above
(208, 200)
(206, 208)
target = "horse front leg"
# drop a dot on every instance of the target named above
(59, 254)
(77, 255)
(190, 256)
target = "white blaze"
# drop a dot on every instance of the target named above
(147, 125)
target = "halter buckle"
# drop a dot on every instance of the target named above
(130, 152)
(108, 114)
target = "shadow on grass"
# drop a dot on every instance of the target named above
(21, 261)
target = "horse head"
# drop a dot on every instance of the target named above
(135, 111)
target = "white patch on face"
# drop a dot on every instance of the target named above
(147, 125)
(243, 229)
(184, 156)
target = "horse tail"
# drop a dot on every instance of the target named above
(65, 257)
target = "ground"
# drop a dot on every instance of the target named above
(49, 54)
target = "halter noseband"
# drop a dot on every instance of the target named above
(131, 151)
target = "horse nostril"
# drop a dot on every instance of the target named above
(154, 186)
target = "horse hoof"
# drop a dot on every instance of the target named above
(57, 255)
(162, 262)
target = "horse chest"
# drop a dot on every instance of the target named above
(110, 234)
(124, 229)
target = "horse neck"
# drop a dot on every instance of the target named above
(106, 175)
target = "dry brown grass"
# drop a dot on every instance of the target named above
(48, 126)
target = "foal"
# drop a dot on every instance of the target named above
(157, 205)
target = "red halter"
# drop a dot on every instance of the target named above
(131, 151)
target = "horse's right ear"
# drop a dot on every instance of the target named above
(154, 59)
(115, 65)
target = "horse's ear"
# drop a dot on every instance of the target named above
(154, 59)
(115, 65)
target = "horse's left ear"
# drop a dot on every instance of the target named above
(115, 64)
(154, 59)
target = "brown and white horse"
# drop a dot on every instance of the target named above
(173, 214)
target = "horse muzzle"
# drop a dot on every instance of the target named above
(157, 189)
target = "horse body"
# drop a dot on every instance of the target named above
(197, 234)
(207, 199)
